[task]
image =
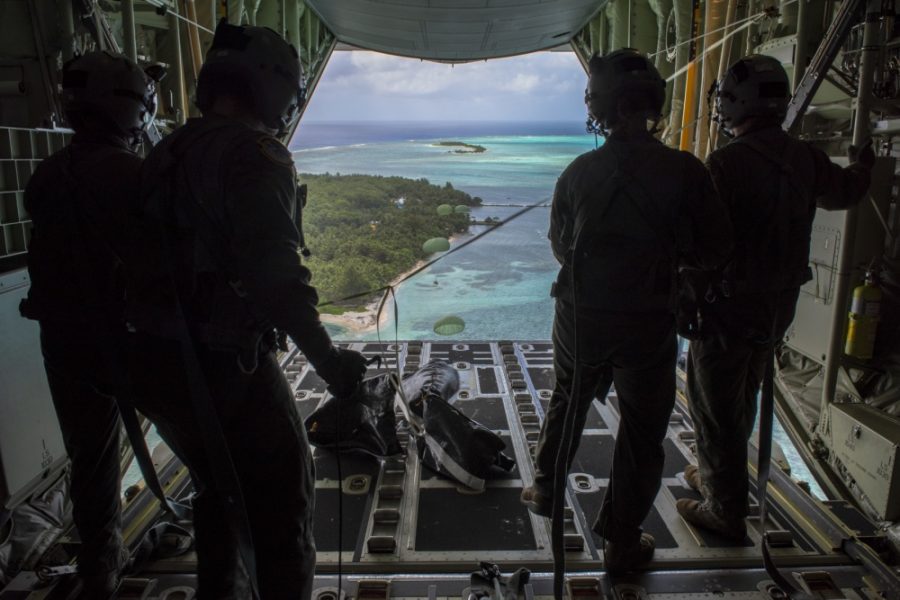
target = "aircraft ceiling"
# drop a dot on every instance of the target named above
(455, 30)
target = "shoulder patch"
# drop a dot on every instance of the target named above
(274, 151)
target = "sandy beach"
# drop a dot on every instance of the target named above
(362, 322)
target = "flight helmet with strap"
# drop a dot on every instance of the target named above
(110, 90)
(615, 75)
(261, 66)
(754, 86)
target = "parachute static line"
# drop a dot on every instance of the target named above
(169, 11)
(667, 134)
(340, 528)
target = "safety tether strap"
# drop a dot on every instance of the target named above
(224, 475)
(786, 186)
(767, 400)
(612, 187)
(764, 462)
(121, 393)
(592, 212)
(182, 512)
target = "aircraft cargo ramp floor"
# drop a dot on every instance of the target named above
(408, 532)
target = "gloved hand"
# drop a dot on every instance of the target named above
(864, 156)
(342, 371)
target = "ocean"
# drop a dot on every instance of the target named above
(507, 271)
(500, 284)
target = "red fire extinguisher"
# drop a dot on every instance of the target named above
(864, 315)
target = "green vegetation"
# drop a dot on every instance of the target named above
(463, 148)
(364, 230)
(339, 309)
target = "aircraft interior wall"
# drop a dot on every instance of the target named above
(692, 42)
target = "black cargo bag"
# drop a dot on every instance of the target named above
(363, 421)
(448, 441)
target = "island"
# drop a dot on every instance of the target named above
(365, 231)
(463, 148)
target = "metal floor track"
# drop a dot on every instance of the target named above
(408, 532)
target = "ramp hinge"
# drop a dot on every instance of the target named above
(137, 587)
(819, 585)
(626, 591)
(373, 589)
(583, 588)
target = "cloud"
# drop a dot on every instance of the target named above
(389, 87)
(521, 83)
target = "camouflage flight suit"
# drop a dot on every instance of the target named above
(624, 288)
(769, 264)
(77, 200)
(225, 195)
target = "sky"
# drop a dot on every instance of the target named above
(369, 86)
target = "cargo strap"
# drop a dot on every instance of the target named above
(214, 238)
(767, 400)
(611, 188)
(113, 356)
(225, 478)
(786, 185)
(763, 465)
(561, 464)
(181, 512)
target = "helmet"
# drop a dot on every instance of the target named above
(754, 86)
(112, 90)
(261, 66)
(624, 71)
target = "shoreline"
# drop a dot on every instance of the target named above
(363, 322)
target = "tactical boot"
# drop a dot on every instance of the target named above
(100, 586)
(537, 502)
(692, 477)
(104, 583)
(619, 557)
(701, 514)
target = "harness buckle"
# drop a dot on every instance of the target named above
(238, 286)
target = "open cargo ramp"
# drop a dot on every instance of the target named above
(410, 533)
